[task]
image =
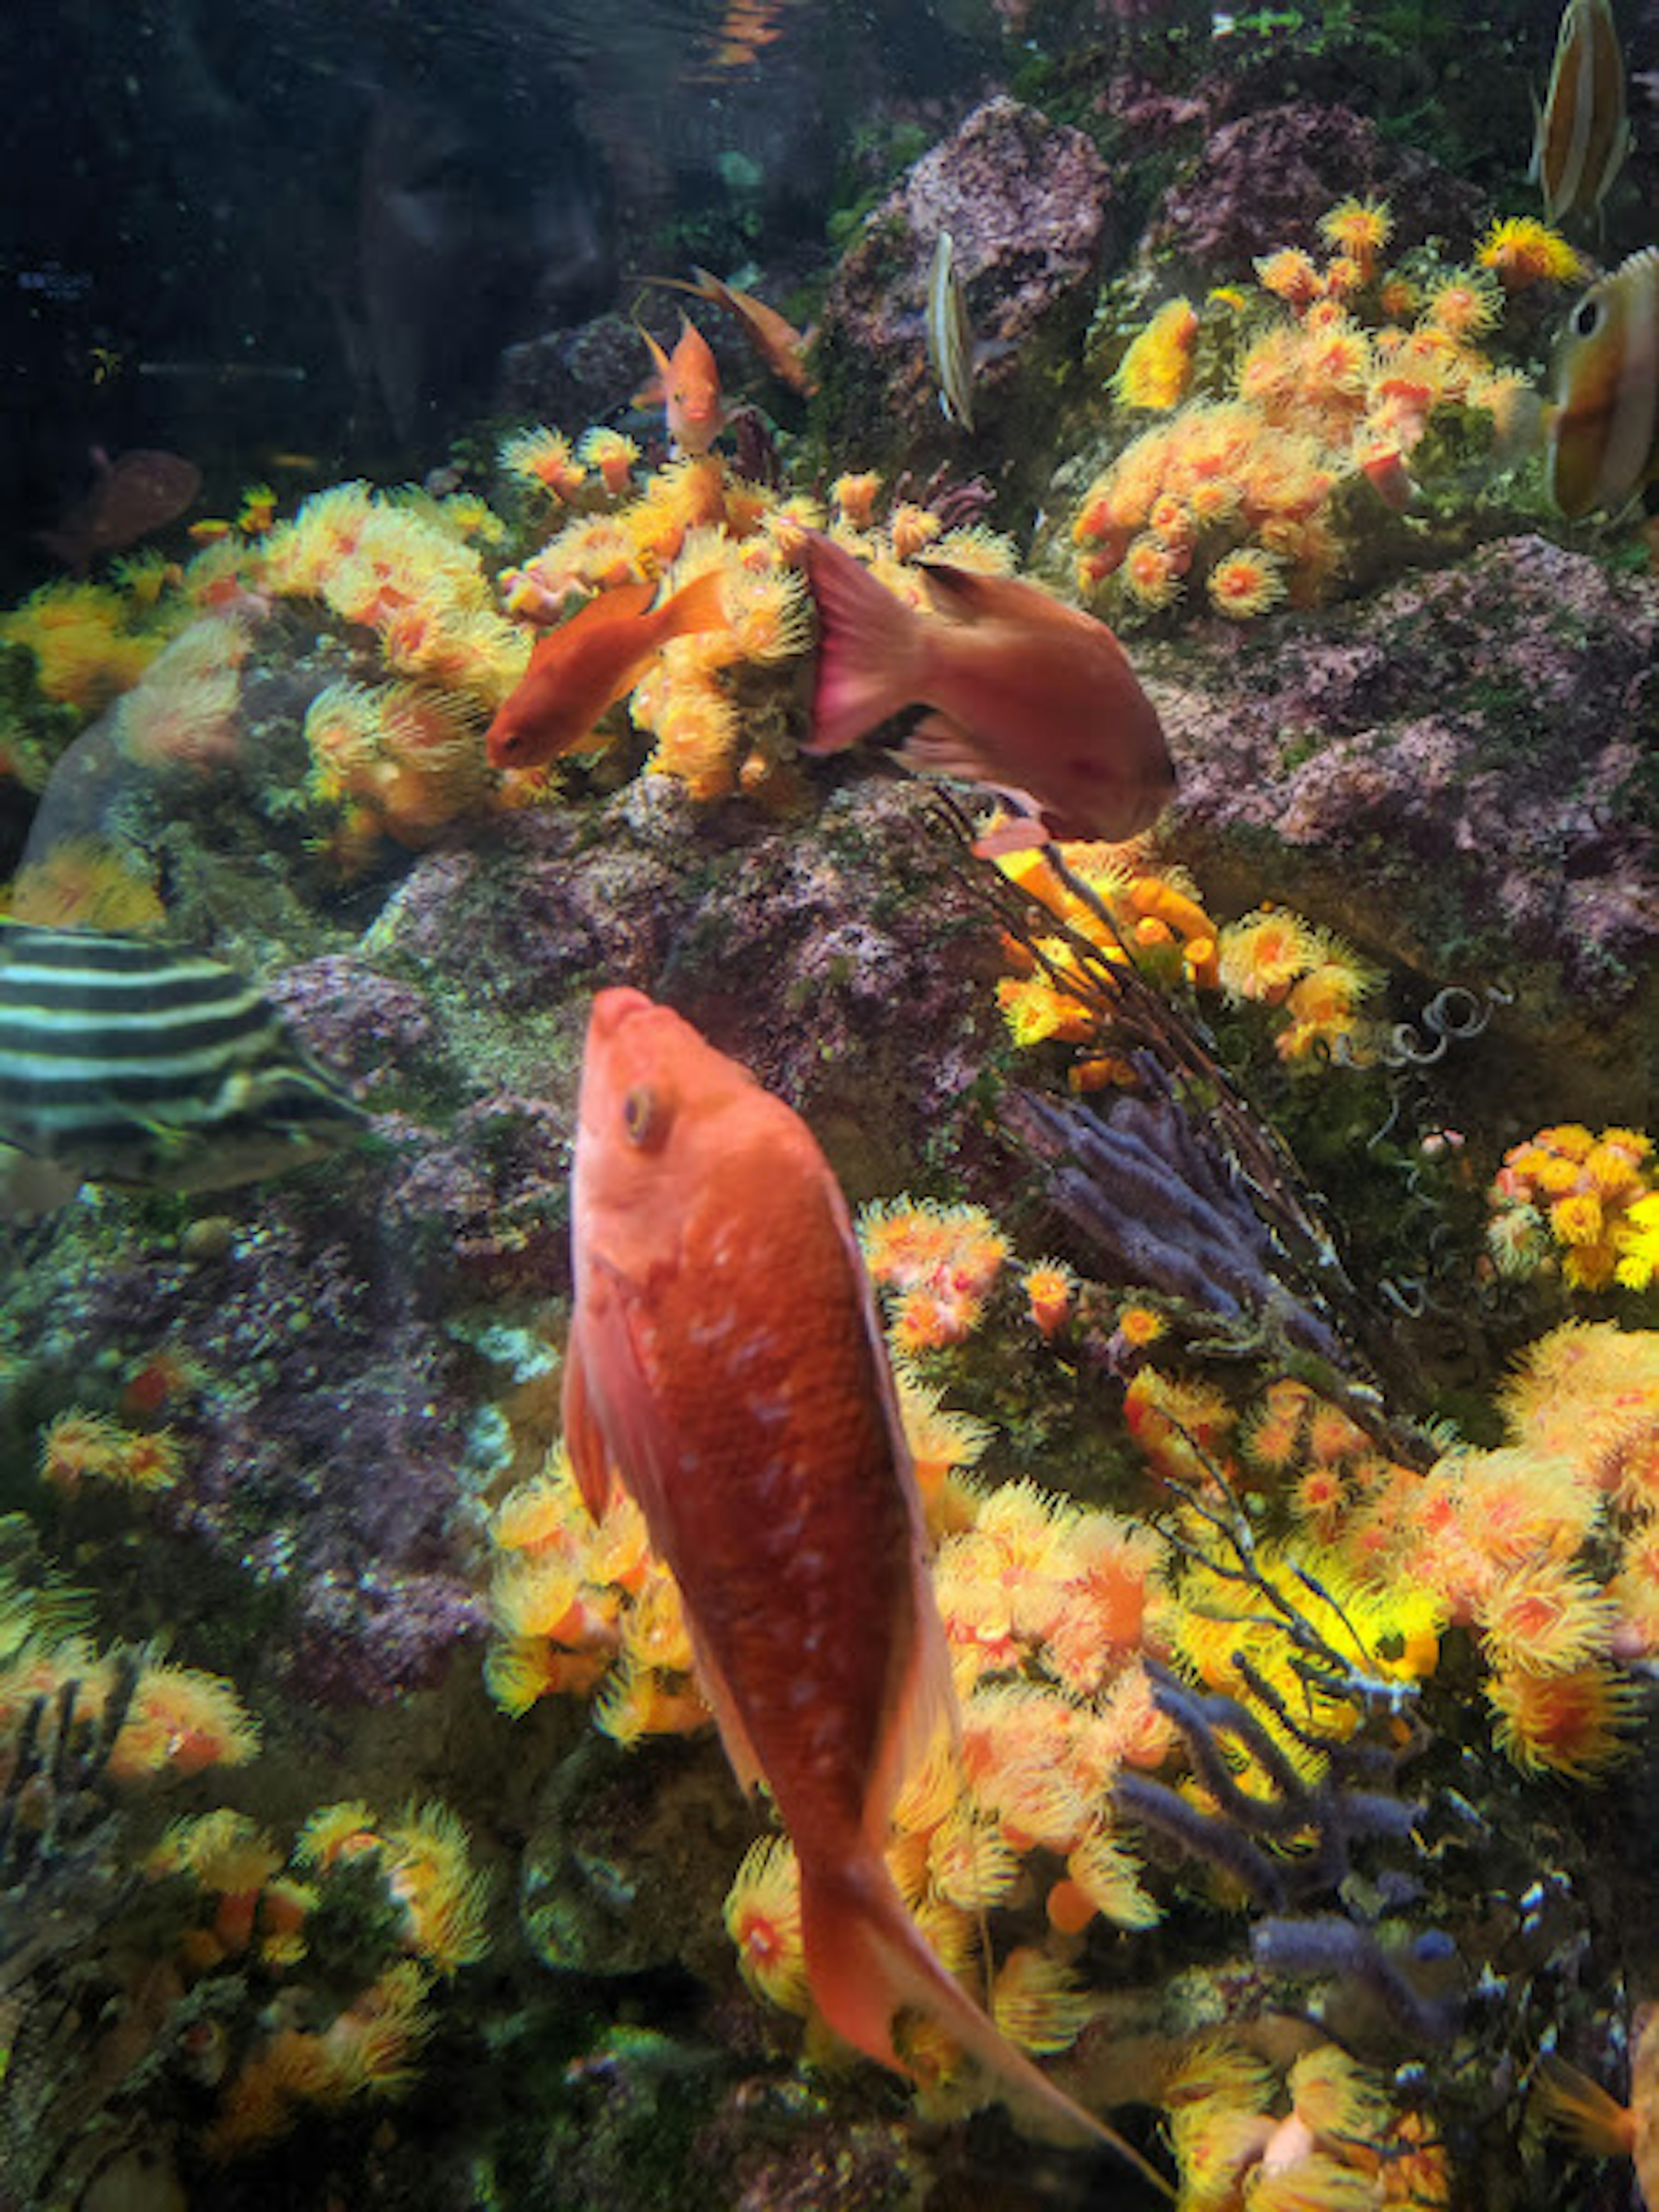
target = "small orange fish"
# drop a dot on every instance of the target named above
(1031, 697)
(687, 382)
(590, 662)
(725, 1358)
(775, 339)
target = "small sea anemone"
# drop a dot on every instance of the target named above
(1567, 1723)
(542, 458)
(613, 455)
(854, 496)
(1358, 229)
(1262, 954)
(182, 1720)
(762, 1919)
(1246, 583)
(1158, 367)
(1039, 2004)
(1522, 251)
(1152, 572)
(1289, 275)
(1464, 304)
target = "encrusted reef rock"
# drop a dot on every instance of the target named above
(1458, 773)
(1027, 203)
(1265, 180)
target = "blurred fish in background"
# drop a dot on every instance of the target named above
(131, 495)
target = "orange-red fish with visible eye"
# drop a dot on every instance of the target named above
(688, 383)
(1031, 697)
(590, 662)
(725, 1360)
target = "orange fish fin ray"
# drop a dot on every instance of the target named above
(595, 1477)
(698, 605)
(865, 1958)
(1582, 2109)
(925, 1707)
(870, 652)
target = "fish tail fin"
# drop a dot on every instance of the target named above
(869, 648)
(865, 1958)
(699, 606)
(1582, 2109)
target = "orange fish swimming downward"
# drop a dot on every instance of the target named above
(725, 1358)
(688, 383)
(590, 662)
(1030, 696)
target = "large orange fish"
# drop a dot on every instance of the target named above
(590, 662)
(688, 383)
(1031, 697)
(725, 1360)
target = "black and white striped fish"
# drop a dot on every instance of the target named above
(126, 1060)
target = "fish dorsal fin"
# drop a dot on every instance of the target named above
(969, 595)
(622, 602)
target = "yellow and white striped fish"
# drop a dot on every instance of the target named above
(950, 335)
(126, 1060)
(1603, 429)
(1583, 131)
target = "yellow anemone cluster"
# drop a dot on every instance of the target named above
(1586, 1202)
(934, 1265)
(1334, 386)
(318, 2046)
(1158, 368)
(1271, 958)
(90, 641)
(180, 1720)
(1545, 1551)
(581, 1606)
(1323, 2134)
(1520, 251)
(77, 1444)
(404, 759)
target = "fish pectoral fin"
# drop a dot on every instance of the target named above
(583, 1438)
(939, 746)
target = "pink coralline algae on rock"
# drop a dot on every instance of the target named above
(1454, 773)
(1026, 203)
(1265, 180)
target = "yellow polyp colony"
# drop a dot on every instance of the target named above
(1520, 251)
(1158, 368)
(935, 1266)
(1328, 391)
(1323, 2136)
(1584, 1203)
(86, 640)
(78, 1444)
(1270, 957)
(582, 1607)
(405, 758)
(1543, 1550)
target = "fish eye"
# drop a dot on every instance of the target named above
(644, 1121)
(1586, 317)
